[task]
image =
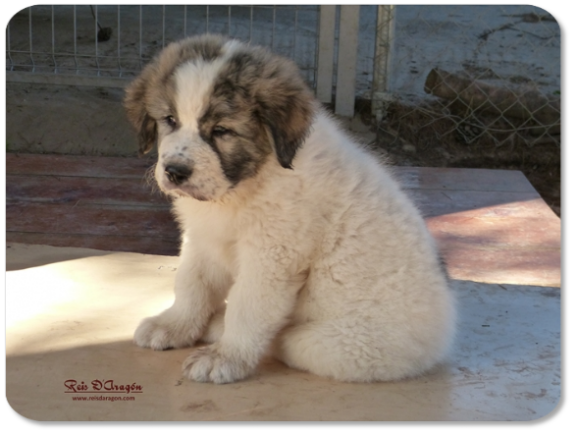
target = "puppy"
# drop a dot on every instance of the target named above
(295, 240)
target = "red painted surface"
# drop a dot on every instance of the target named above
(491, 225)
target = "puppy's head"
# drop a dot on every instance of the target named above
(217, 109)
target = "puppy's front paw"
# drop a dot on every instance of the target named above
(160, 333)
(209, 364)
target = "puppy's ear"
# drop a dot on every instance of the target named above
(135, 105)
(287, 108)
(147, 135)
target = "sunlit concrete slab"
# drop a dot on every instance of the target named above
(71, 314)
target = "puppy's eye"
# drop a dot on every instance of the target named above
(171, 121)
(219, 131)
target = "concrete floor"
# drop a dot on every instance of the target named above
(71, 313)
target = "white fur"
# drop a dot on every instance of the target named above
(329, 266)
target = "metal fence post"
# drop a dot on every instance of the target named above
(347, 61)
(325, 54)
(383, 60)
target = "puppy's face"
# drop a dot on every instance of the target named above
(207, 141)
(217, 110)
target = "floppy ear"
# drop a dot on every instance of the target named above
(134, 103)
(289, 126)
(287, 108)
(147, 135)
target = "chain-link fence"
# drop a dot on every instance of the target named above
(476, 75)
(114, 41)
(472, 74)
(78, 44)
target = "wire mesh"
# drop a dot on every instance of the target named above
(472, 75)
(117, 40)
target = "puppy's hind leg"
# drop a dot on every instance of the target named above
(346, 351)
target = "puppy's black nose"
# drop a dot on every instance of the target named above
(177, 174)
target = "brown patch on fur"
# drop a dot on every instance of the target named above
(271, 89)
(245, 146)
(148, 98)
(264, 101)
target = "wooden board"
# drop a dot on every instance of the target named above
(491, 225)
(97, 202)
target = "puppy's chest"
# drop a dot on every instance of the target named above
(218, 239)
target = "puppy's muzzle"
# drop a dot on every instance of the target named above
(177, 174)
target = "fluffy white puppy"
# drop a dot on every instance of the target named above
(295, 240)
